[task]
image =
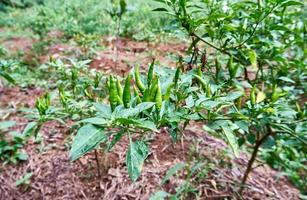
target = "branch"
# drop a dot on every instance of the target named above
(255, 28)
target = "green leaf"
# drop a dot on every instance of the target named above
(116, 138)
(29, 128)
(231, 140)
(7, 77)
(136, 155)
(145, 124)
(286, 79)
(103, 110)
(22, 156)
(6, 124)
(95, 121)
(159, 195)
(87, 138)
(172, 171)
(291, 3)
(130, 112)
(24, 180)
(160, 10)
(232, 96)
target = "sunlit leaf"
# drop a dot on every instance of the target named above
(87, 138)
(231, 140)
(136, 155)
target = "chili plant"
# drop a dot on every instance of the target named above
(135, 115)
(11, 143)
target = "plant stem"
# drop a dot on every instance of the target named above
(252, 159)
(97, 163)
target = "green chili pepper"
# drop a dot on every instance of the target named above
(199, 71)
(113, 97)
(202, 83)
(150, 74)
(136, 94)
(153, 89)
(168, 92)
(231, 68)
(218, 68)
(253, 96)
(127, 92)
(238, 103)
(108, 83)
(300, 114)
(138, 80)
(177, 75)
(158, 97)
(275, 95)
(146, 97)
(208, 91)
(119, 89)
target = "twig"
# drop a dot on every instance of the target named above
(97, 163)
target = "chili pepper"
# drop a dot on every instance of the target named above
(253, 96)
(208, 91)
(202, 83)
(231, 68)
(153, 89)
(180, 64)
(218, 67)
(127, 92)
(158, 97)
(203, 60)
(136, 94)
(150, 74)
(119, 88)
(177, 75)
(113, 97)
(63, 97)
(138, 80)
(168, 91)
(300, 113)
(146, 97)
(275, 95)
(238, 103)
(199, 71)
(108, 84)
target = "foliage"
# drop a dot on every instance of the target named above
(244, 78)
(11, 143)
(249, 38)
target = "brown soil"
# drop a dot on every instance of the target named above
(130, 53)
(18, 97)
(55, 177)
(18, 44)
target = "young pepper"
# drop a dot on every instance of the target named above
(150, 74)
(138, 80)
(177, 75)
(136, 94)
(231, 68)
(218, 67)
(158, 97)
(253, 96)
(168, 92)
(127, 92)
(153, 89)
(113, 97)
(119, 89)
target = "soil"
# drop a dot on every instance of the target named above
(55, 177)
